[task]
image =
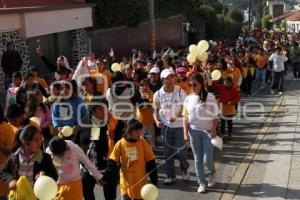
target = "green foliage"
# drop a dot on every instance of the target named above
(111, 13)
(237, 15)
(265, 22)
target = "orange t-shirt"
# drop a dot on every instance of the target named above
(261, 60)
(133, 158)
(145, 113)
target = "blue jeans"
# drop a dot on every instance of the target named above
(173, 141)
(260, 76)
(203, 150)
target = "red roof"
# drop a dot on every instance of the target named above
(290, 16)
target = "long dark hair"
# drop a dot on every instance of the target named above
(93, 81)
(26, 135)
(203, 93)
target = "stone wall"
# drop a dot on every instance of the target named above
(20, 46)
(79, 46)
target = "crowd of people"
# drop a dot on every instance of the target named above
(116, 116)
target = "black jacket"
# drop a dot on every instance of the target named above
(9, 170)
(11, 61)
(82, 137)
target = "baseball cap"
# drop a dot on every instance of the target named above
(154, 70)
(166, 72)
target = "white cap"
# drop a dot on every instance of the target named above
(154, 70)
(166, 72)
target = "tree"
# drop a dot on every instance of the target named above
(237, 15)
(265, 23)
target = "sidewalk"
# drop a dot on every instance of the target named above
(278, 176)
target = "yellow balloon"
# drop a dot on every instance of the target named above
(149, 192)
(216, 75)
(67, 131)
(203, 57)
(191, 58)
(35, 121)
(115, 67)
(45, 188)
(192, 48)
(203, 45)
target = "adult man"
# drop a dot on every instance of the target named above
(295, 59)
(168, 101)
(11, 61)
(153, 80)
(92, 136)
(278, 60)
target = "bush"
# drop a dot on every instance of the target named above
(237, 15)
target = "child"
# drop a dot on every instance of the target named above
(13, 88)
(7, 137)
(27, 159)
(229, 97)
(43, 114)
(67, 157)
(145, 110)
(136, 159)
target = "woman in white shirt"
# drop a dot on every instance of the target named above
(200, 111)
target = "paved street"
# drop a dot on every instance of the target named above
(261, 162)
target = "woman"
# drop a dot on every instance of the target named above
(27, 159)
(66, 112)
(67, 157)
(90, 89)
(96, 138)
(200, 111)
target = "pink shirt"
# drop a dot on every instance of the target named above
(69, 169)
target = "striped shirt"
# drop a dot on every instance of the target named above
(25, 164)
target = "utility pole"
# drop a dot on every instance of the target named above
(152, 25)
(249, 15)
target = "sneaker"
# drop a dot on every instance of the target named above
(230, 136)
(280, 93)
(169, 180)
(201, 188)
(186, 175)
(272, 92)
(211, 181)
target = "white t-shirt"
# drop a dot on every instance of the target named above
(278, 62)
(200, 114)
(170, 106)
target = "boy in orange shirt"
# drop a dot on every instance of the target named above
(136, 159)
(182, 80)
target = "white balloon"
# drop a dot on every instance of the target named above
(203, 57)
(192, 48)
(35, 120)
(149, 192)
(217, 142)
(216, 75)
(67, 131)
(45, 188)
(115, 67)
(203, 45)
(191, 58)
